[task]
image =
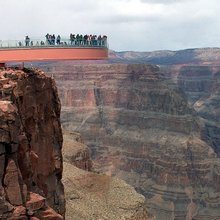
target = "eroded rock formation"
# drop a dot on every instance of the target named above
(30, 147)
(139, 126)
(92, 196)
(75, 152)
(201, 86)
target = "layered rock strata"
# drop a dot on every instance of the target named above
(208, 107)
(139, 126)
(201, 86)
(91, 196)
(30, 147)
(196, 81)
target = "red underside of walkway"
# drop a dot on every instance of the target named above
(47, 54)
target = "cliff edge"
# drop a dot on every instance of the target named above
(30, 147)
(92, 196)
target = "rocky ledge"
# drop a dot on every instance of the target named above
(30, 147)
(75, 152)
(92, 196)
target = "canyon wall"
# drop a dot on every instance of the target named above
(195, 71)
(32, 162)
(92, 196)
(139, 126)
(208, 107)
(30, 145)
(201, 86)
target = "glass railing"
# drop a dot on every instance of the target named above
(35, 43)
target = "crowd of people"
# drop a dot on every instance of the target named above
(74, 40)
(52, 39)
(93, 40)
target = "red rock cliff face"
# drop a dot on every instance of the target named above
(30, 147)
(140, 127)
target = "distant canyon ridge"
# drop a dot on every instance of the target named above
(155, 126)
(197, 56)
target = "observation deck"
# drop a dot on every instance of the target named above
(41, 50)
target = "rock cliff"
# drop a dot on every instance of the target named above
(201, 86)
(75, 152)
(92, 196)
(208, 109)
(139, 126)
(30, 147)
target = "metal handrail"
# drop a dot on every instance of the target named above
(39, 43)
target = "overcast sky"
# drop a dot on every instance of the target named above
(138, 25)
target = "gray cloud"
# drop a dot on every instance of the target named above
(162, 1)
(127, 19)
(130, 24)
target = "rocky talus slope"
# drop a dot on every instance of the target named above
(139, 126)
(30, 147)
(91, 196)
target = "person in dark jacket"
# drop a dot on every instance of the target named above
(27, 41)
(58, 39)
